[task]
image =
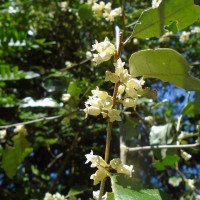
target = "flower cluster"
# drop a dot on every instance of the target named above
(105, 50)
(129, 86)
(101, 103)
(56, 196)
(127, 94)
(105, 10)
(102, 171)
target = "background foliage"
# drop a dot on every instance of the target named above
(38, 39)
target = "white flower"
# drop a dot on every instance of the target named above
(56, 196)
(129, 102)
(195, 29)
(98, 176)
(92, 110)
(105, 51)
(184, 37)
(90, 2)
(156, 3)
(124, 76)
(68, 64)
(98, 8)
(66, 97)
(101, 94)
(88, 55)
(112, 77)
(121, 89)
(121, 168)
(108, 7)
(63, 6)
(114, 115)
(135, 83)
(111, 14)
(130, 91)
(190, 183)
(119, 67)
(102, 172)
(96, 161)
(2, 134)
(94, 101)
(186, 156)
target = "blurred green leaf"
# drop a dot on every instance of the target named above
(192, 107)
(74, 88)
(168, 161)
(13, 156)
(76, 190)
(85, 12)
(148, 93)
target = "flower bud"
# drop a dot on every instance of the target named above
(129, 102)
(92, 110)
(121, 89)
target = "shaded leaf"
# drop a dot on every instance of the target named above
(85, 12)
(162, 103)
(192, 107)
(164, 64)
(74, 88)
(148, 93)
(169, 160)
(76, 190)
(175, 14)
(126, 188)
(13, 156)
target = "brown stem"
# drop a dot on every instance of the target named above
(109, 124)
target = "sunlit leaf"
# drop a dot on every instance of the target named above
(177, 15)
(164, 64)
(127, 188)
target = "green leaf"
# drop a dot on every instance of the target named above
(169, 161)
(110, 196)
(173, 27)
(175, 15)
(76, 190)
(148, 93)
(74, 88)
(162, 103)
(125, 188)
(192, 108)
(175, 181)
(164, 64)
(13, 156)
(85, 12)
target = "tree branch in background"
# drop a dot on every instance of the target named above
(155, 147)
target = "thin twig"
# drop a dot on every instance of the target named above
(75, 65)
(32, 121)
(154, 147)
